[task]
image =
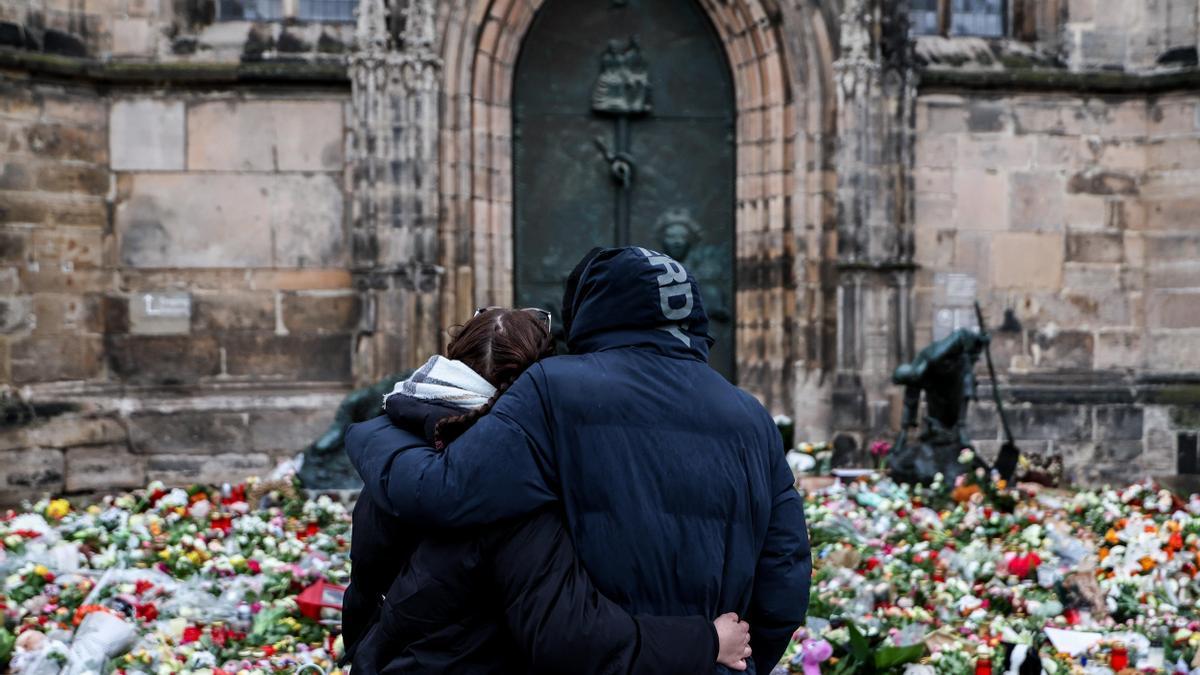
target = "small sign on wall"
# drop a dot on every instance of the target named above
(953, 303)
(160, 313)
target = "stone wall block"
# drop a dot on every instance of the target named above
(1174, 350)
(132, 36)
(88, 180)
(986, 202)
(202, 432)
(220, 312)
(942, 118)
(1119, 451)
(1174, 309)
(1066, 423)
(65, 431)
(147, 134)
(992, 152)
(294, 357)
(987, 117)
(224, 220)
(1174, 247)
(1095, 247)
(56, 357)
(57, 141)
(30, 473)
(279, 135)
(1175, 154)
(1036, 202)
(287, 431)
(1177, 213)
(16, 315)
(1120, 423)
(16, 175)
(321, 312)
(162, 359)
(1062, 350)
(103, 469)
(1027, 260)
(935, 151)
(185, 469)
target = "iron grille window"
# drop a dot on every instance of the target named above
(250, 10)
(923, 17)
(327, 10)
(275, 10)
(983, 18)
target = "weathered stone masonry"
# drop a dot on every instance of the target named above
(210, 230)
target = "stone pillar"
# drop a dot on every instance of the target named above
(395, 181)
(875, 102)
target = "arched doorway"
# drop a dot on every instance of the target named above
(623, 134)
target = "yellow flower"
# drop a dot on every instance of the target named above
(58, 508)
(41, 570)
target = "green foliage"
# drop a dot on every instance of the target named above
(863, 657)
(8, 642)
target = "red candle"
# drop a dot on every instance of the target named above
(1119, 658)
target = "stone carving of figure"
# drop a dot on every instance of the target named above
(623, 85)
(680, 237)
(945, 372)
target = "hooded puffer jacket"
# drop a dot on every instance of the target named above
(674, 483)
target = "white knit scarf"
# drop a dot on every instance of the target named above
(446, 381)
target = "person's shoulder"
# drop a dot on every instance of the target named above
(378, 430)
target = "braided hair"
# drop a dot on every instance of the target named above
(499, 344)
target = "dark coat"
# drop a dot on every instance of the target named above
(674, 483)
(507, 598)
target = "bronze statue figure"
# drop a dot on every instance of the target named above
(326, 466)
(945, 372)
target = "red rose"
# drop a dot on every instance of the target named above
(223, 524)
(147, 612)
(191, 634)
(254, 566)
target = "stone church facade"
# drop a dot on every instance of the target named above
(218, 216)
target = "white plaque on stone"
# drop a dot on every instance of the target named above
(160, 313)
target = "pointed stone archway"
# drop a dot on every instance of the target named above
(783, 210)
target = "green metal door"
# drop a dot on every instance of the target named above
(624, 134)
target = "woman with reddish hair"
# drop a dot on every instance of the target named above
(506, 598)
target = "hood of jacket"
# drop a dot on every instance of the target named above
(635, 297)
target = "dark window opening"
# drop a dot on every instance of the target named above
(1188, 456)
(250, 10)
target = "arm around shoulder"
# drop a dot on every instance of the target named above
(501, 467)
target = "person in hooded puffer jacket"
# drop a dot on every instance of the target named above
(508, 598)
(674, 485)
